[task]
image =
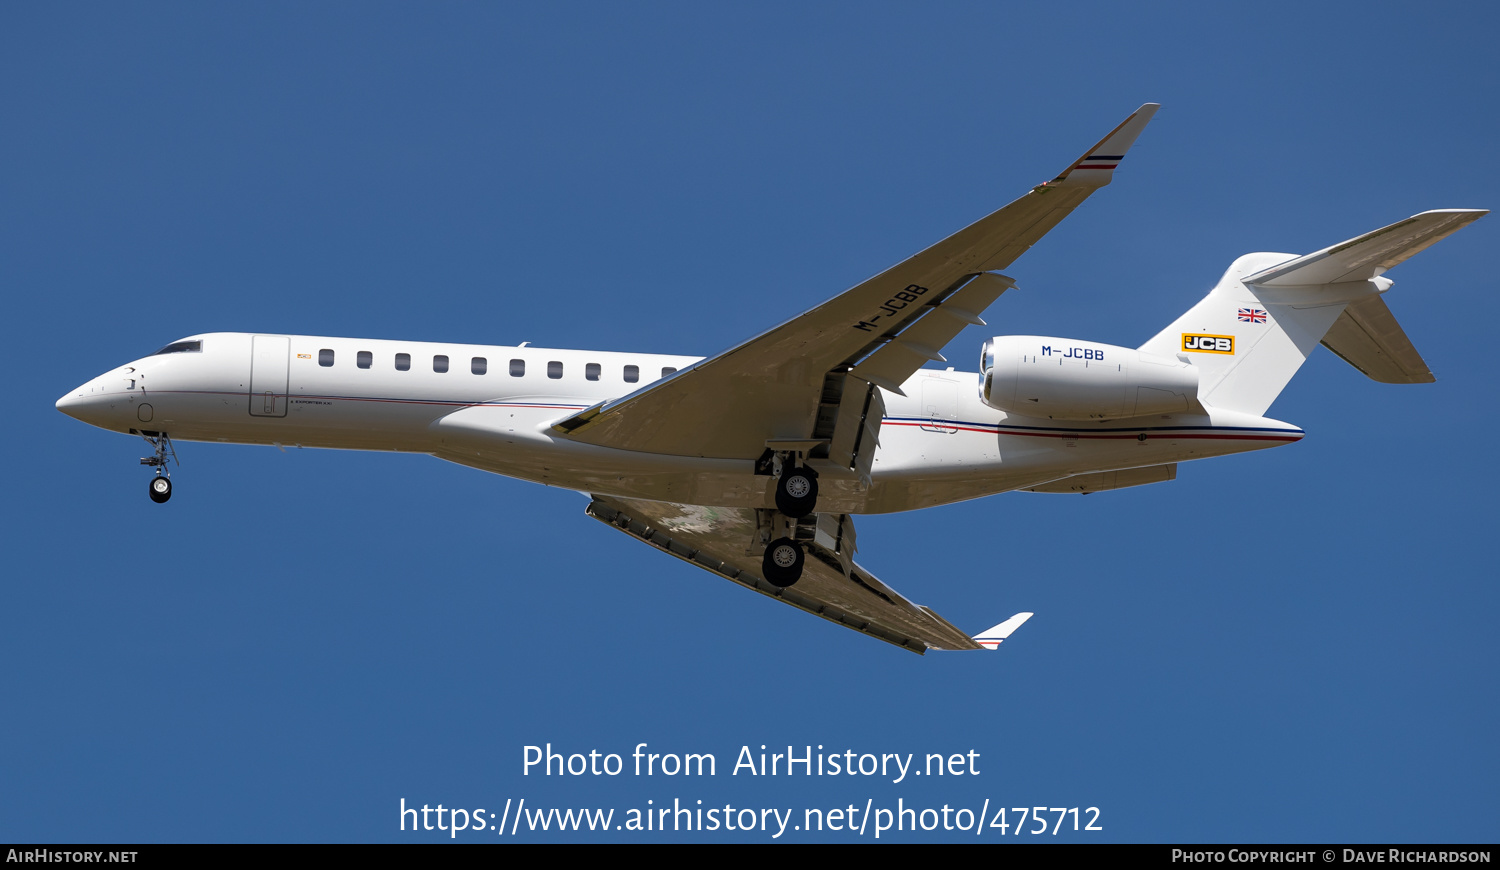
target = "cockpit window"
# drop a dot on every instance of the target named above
(181, 347)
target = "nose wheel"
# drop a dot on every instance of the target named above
(161, 484)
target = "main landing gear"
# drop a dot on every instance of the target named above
(782, 563)
(797, 491)
(796, 498)
(161, 484)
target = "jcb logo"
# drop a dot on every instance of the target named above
(1208, 343)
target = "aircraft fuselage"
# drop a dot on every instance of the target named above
(492, 408)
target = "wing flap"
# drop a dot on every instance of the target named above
(718, 539)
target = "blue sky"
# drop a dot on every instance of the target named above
(1293, 645)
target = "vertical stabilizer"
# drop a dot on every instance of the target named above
(1252, 332)
(1245, 348)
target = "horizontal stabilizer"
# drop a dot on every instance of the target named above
(1368, 337)
(1371, 254)
(991, 638)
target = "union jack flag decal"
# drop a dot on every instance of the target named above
(1252, 315)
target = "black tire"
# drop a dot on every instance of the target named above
(782, 563)
(161, 489)
(797, 491)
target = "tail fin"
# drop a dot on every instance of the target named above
(1252, 332)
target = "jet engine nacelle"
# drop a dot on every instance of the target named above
(1041, 376)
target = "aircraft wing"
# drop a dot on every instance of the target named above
(832, 586)
(789, 384)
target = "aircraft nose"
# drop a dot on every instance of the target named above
(86, 405)
(71, 403)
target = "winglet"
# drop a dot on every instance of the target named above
(991, 638)
(1096, 167)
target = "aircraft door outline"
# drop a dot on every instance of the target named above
(270, 373)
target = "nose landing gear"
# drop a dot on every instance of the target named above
(161, 484)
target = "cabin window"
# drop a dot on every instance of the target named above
(363, 359)
(632, 374)
(181, 347)
(403, 362)
(325, 357)
(479, 365)
(554, 370)
(518, 368)
(667, 370)
(591, 371)
(440, 363)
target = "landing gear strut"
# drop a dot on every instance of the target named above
(161, 484)
(796, 498)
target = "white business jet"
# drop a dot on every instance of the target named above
(751, 464)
